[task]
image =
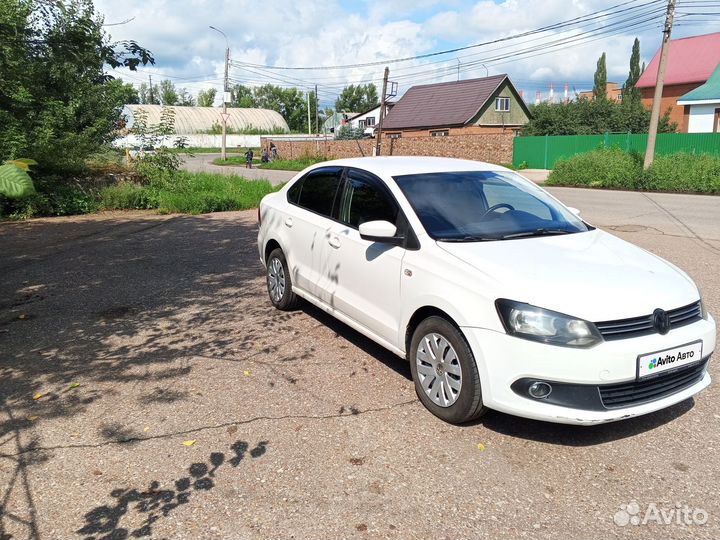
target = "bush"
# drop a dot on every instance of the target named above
(604, 167)
(54, 197)
(128, 196)
(614, 168)
(683, 172)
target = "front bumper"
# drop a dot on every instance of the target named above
(506, 362)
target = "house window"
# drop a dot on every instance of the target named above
(361, 123)
(394, 135)
(502, 104)
(440, 133)
(370, 121)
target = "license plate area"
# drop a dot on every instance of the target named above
(665, 360)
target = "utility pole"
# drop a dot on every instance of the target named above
(657, 99)
(308, 108)
(317, 113)
(151, 94)
(223, 150)
(378, 135)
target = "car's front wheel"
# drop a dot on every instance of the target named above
(279, 283)
(444, 371)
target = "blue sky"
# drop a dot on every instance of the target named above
(307, 33)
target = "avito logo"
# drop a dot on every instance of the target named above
(669, 359)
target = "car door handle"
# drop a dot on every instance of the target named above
(288, 222)
(334, 241)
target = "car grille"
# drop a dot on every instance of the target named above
(643, 326)
(617, 396)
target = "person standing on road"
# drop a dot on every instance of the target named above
(248, 158)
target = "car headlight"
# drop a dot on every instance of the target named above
(538, 324)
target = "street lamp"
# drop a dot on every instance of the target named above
(223, 150)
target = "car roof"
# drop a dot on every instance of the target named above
(401, 165)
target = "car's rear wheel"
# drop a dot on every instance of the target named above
(444, 371)
(279, 283)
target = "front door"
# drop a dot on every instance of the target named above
(362, 278)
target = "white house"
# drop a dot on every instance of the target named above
(369, 119)
(704, 105)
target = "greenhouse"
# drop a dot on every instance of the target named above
(197, 120)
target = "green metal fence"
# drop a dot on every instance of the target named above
(543, 152)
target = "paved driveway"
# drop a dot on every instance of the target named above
(147, 389)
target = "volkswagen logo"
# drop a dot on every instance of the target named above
(661, 321)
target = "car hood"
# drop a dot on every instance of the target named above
(592, 275)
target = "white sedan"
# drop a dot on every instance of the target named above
(498, 295)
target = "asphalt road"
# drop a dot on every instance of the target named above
(147, 388)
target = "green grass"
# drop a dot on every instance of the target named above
(189, 193)
(238, 161)
(200, 193)
(291, 164)
(616, 169)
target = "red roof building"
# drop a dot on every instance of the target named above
(690, 63)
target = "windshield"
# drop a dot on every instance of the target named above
(484, 205)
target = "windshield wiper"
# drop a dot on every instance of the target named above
(537, 232)
(467, 239)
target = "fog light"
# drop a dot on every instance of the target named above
(539, 390)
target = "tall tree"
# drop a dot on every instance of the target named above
(168, 93)
(600, 87)
(630, 93)
(357, 98)
(242, 96)
(56, 105)
(185, 98)
(146, 96)
(206, 98)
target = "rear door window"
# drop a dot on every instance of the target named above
(317, 191)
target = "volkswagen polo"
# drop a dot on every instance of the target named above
(498, 295)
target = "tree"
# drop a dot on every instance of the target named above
(630, 93)
(57, 104)
(357, 98)
(586, 117)
(600, 87)
(206, 98)
(146, 96)
(122, 93)
(242, 96)
(168, 94)
(185, 98)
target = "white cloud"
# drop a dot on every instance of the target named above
(337, 32)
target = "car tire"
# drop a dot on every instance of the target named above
(279, 283)
(444, 371)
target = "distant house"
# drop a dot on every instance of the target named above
(487, 105)
(613, 90)
(334, 121)
(690, 63)
(703, 104)
(369, 119)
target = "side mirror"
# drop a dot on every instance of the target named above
(380, 231)
(574, 210)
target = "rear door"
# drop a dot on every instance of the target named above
(312, 208)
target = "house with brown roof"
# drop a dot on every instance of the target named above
(690, 63)
(486, 105)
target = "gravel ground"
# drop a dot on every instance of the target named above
(148, 389)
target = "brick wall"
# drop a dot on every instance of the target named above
(671, 93)
(494, 148)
